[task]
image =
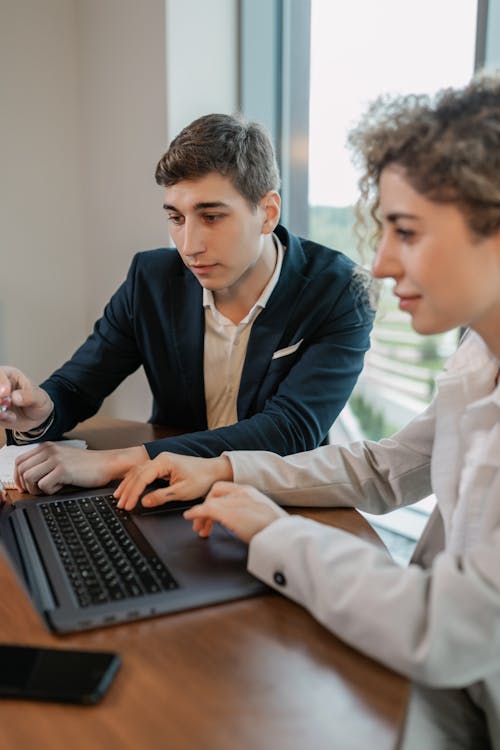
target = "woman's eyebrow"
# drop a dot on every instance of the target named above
(394, 216)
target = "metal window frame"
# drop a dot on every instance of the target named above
(489, 27)
(274, 38)
(481, 31)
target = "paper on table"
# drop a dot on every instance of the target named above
(9, 453)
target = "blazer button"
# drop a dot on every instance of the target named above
(279, 578)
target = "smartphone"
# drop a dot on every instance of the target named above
(54, 674)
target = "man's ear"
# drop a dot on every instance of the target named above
(493, 241)
(270, 205)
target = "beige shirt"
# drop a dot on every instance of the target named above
(225, 351)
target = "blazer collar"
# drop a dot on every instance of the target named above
(268, 328)
(188, 324)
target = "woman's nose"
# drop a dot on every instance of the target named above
(387, 263)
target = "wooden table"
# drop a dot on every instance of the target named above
(258, 674)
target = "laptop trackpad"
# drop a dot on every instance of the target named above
(190, 557)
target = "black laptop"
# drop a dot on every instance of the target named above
(87, 564)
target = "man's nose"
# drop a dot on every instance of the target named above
(193, 241)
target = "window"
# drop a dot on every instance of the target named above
(360, 49)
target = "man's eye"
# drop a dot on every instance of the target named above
(212, 218)
(174, 219)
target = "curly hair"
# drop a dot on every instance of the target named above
(447, 146)
(227, 144)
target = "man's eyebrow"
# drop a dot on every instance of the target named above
(210, 204)
(198, 206)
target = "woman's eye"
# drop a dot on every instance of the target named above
(405, 234)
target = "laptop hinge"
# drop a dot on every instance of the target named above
(33, 570)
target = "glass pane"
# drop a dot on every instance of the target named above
(360, 49)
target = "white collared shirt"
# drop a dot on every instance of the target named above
(473, 383)
(225, 350)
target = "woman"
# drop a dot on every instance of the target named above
(431, 178)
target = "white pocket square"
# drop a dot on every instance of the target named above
(287, 350)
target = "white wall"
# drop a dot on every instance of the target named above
(87, 111)
(122, 102)
(42, 290)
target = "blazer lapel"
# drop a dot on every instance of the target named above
(188, 324)
(270, 325)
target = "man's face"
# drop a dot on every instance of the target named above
(219, 236)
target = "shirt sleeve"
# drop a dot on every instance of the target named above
(32, 436)
(374, 476)
(436, 626)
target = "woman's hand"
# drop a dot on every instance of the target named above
(240, 508)
(189, 478)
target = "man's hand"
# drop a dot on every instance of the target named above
(240, 508)
(48, 467)
(189, 478)
(23, 405)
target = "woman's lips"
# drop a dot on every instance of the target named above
(408, 302)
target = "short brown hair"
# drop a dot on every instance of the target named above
(447, 146)
(227, 144)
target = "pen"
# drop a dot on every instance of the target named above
(4, 404)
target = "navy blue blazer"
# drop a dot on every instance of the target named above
(285, 404)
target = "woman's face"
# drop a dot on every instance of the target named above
(445, 275)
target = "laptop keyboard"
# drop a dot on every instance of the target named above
(105, 555)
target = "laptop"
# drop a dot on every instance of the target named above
(86, 564)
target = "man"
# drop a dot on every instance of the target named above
(250, 337)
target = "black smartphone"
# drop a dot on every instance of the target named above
(54, 674)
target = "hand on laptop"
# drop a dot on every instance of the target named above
(48, 467)
(23, 405)
(189, 477)
(242, 509)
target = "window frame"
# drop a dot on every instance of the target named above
(274, 90)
